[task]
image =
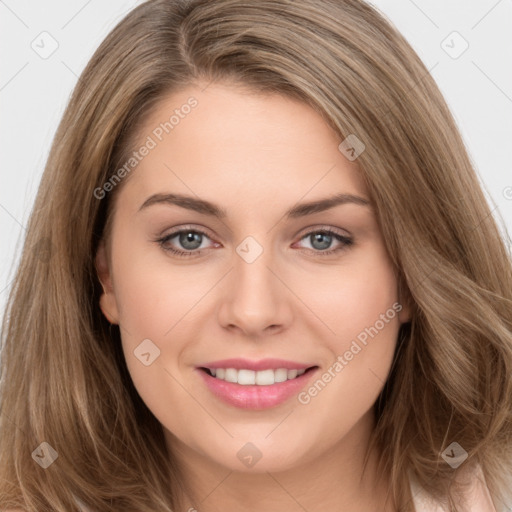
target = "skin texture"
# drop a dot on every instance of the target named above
(256, 156)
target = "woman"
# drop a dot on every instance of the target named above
(369, 369)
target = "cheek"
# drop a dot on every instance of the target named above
(152, 293)
(353, 297)
(359, 303)
(156, 302)
(361, 307)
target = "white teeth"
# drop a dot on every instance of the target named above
(246, 377)
(260, 378)
(263, 377)
(280, 375)
(231, 375)
(292, 374)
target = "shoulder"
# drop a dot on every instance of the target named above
(476, 494)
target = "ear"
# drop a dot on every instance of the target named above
(406, 301)
(405, 313)
(108, 303)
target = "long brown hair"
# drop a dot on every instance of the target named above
(64, 380)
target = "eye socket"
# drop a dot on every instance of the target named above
(184, 238)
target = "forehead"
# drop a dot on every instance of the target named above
(234, 146)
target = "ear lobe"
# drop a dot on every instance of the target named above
(404, 315)
(107, 303)
(405, 300)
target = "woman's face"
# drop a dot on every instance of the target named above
(246, 179)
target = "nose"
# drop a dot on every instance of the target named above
(255, 300)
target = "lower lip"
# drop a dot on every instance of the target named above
(253, 396)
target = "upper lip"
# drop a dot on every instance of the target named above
(262, 364)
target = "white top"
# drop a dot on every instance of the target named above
(478, 497)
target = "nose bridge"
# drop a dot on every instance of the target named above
(254, 283)
(256, 297)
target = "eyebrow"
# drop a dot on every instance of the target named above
(207, 208)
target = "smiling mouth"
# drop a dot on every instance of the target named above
(247, 377)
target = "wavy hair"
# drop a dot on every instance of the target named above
(64, 380)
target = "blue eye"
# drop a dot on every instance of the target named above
(191, 240)
(323, 239)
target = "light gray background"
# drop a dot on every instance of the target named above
(34, 90)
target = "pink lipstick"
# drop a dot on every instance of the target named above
(255, 384)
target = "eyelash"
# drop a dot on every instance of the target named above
(345, 241)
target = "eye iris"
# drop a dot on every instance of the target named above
(190, 237)
(318, 237)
